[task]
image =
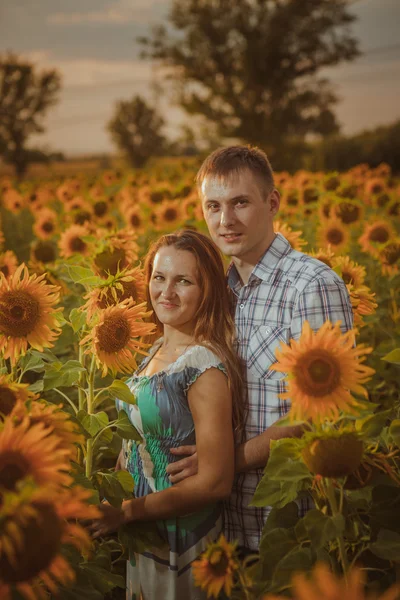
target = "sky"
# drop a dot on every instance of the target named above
(93, 45)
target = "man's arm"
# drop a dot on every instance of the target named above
(322, 300)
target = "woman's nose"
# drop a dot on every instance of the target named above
(168, 290)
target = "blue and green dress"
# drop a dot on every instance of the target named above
(163, 418)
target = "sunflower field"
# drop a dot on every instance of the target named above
(73, 326)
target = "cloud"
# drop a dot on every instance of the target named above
(118, 13)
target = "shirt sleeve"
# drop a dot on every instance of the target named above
(322, 300)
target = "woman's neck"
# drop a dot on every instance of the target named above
(174, 339)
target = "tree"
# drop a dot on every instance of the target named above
(251, 66)
(136, 130)
(25, 96)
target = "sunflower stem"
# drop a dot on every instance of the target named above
(66, 398)
(90, 400)
(330, 493)
(81, 393)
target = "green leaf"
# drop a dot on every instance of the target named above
(102, 579)
(393, 357)
(394, 431)
(126, 480)
(93, 423)
(120, 391)
(387, 545)
(125, 428)
(285, 517)
(372, 425)
(113, 486)
(299, 559)
(274, 545)
(32, 362)
(140, 536)
(36, 387)
(83, 275)
(58, 374)
(322, 528)
(78, 319)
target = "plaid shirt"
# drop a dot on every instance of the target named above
(285, 289)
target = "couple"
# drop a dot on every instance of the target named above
(190, 397)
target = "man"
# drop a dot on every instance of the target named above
(275, 289)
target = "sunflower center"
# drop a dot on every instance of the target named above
(5, 270)
(81, 217)
(334, 236)
(48, 226)
(379, 234)
(218, 562)
(349, 212)
(317, 373)
(13, 468)
(44, 252)
(7, 400)
(77, 245)
(392, 254)
(170, 214)
(347, 277)
(40, 543)
(100, 208)
(110, 260)
(113, 334)
(135, 221)
(19, 313)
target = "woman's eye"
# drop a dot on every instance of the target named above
(158, 277)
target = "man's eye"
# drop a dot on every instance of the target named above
(213, 207)
(241, 202)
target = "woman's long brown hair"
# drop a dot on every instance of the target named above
(214, 325)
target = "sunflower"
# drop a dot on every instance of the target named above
(324, 585)
(332, 453)
(374, 235)
(100, 208)
(349, 211)
(46, 225)
(71, 241)
(8, 263)
(215, 569)
(13, 201)
(293, 237)
(325, 255)
(331, 182)
(129, 284)
(169, 214)
(29, 451)
(27, 313)
(12, 395)
(350, 271)
(43, 251)
(333, 232)
(35, 527)
(113, 341)
(119, 250)
(389, 256)
(57, 422)
(375, 185)
(362, 302)
(323, 368)
(134, 218)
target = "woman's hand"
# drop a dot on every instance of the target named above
(111, 520)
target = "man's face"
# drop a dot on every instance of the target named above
(239, 214)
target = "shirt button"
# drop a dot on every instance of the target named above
(267, 330)
(242, 306)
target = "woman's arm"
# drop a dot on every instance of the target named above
(211, 406)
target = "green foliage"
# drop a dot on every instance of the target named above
(136, 129)
(251, 68)
(25, 97)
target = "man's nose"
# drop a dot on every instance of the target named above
(227, 216)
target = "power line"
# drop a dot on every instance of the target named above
(109, 84)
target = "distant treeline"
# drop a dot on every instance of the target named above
(340, 153)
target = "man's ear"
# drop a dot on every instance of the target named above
(274, 201)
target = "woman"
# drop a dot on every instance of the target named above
(188, 391)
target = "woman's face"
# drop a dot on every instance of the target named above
(174, 288)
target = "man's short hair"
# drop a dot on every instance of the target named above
(232, 160)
